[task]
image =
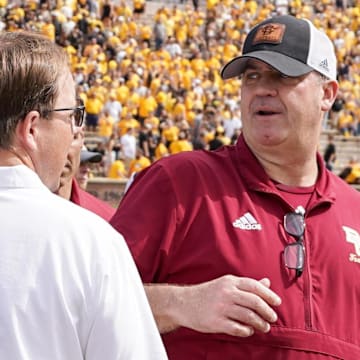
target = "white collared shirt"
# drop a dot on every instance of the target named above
(69, 288)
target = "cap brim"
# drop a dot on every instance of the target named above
(282, 63)
(90, 156)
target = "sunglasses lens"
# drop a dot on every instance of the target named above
(294, 224)
(294, 256)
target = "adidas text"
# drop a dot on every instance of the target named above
(247, 226)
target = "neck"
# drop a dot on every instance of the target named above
(296, 170)
(12, 157)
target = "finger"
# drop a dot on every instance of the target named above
(250, 318)
(256, 304)
(258, 288)
(235, 328)
(266, 282)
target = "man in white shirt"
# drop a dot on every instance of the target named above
(69, 288)
(114, 107)
(128, 145)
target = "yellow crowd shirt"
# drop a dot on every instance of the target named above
(161, 151)
(93, 106)
(179, 146)
(106, 125)
(117, 170)
(137, 165)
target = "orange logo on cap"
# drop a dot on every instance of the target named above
(269, 33)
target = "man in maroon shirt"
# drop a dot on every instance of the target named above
(74, 190)
(252, 251)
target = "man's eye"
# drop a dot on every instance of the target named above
(289, 80)
(283, 76)
(251, 75)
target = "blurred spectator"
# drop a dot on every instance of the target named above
(161, 149)
(159, 33)
(351, 172)
(117, 170)
(346, 123)
(182, 143)
(113, 106)
(107, 10)
(148, 140)
(199, 143)
(87, 161)
(75, 176)
(106, 125)
(235, 137)
(139, 6)
(282, 7)
(92, 48)
(110, 152)
(140, 162)
(217, 141)
(232, 123)
(173, 47)
(170, 131)
(127, 121)
(330, 153)
(93, 106)
(195, 4)
(128, 144)
(222, 136)
(147, 105)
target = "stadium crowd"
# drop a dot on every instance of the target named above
(151, 83)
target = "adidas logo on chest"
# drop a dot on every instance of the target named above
(247, 222)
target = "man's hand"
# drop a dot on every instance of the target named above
(231, 305)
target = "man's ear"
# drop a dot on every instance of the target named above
(27, 130)
(330, 92)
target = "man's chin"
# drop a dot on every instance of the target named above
(55, 188)
(65, 178)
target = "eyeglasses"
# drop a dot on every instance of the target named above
(77, 116)
(294, 253)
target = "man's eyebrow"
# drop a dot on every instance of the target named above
(250, 64)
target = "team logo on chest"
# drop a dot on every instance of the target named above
(353, 237)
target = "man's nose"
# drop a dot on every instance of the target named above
(267, 86)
